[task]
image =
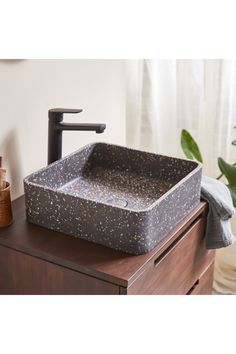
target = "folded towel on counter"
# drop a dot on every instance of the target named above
(221, 209)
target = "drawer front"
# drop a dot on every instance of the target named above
(23, 274)
(203, 285)
(177, 269)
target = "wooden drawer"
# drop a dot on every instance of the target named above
(203, 285)
(22, 274)
(177, 269)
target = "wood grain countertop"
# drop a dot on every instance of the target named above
(80, 255)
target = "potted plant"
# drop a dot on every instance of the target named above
(225, 264)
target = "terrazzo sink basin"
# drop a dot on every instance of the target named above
(122, 198)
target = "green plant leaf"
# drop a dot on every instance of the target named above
(190, 147)
(233, 194)
(234, 142)
(228, 170)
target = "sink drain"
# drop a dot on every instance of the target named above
(117, 202)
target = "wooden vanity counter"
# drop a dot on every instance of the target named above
(34, 260)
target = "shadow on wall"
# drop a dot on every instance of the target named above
(11, 61)
(9, 150)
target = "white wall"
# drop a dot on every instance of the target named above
(28, 88)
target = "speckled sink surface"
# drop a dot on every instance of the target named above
(122, 198)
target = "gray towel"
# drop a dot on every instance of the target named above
(221, 209)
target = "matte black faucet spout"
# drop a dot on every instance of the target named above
(56, 127)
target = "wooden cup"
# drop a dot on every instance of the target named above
(5, 207)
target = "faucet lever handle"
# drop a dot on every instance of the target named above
(57, 113)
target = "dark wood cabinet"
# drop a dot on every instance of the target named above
(34, 260)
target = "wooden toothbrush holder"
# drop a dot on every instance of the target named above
(5, 206)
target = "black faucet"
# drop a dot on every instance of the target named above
(56, 127)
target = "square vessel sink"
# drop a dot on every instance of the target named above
(121, 198)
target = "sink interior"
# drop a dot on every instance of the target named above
(120, 188)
